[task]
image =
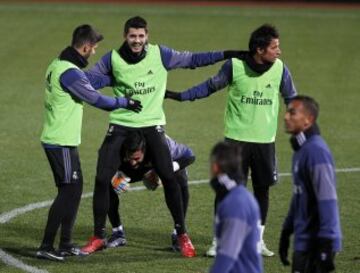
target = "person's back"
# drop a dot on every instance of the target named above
(239, 208)
(237, 219)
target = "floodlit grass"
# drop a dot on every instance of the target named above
(319, 46)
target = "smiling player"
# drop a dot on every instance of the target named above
(255, 79)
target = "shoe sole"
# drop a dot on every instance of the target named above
(264, 255)
(115, 244)
(189, 256)
(50, 257)
(84, 253)
(69, 254)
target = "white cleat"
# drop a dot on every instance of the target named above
(212, 249)
(265, 251)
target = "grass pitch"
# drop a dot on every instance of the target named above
(320, 46)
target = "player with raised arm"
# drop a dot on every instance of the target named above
(139, 70)
(255, 78)
(67, 87)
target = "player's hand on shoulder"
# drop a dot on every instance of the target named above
(240, 54)
(172, 95)
(134, 105)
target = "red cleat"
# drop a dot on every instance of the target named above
(94, 244)
(186, 247)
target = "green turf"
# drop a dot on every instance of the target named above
(319, 46)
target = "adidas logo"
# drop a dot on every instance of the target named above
(150, 72)
(268, 86)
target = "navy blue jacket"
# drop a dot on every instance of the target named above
(237, 232)
(314, 209)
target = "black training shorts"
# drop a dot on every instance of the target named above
(260, 159)
(64, 163)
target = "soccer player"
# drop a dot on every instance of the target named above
(313, 215)
(140, 71)
(66, 88)
(254, 79)
(136, 166)
(237, 221)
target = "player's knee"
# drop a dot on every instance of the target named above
(103, 177)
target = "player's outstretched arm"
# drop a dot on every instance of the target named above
(173, 59)
(207, 88)
(79, 87)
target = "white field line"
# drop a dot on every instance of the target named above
(7, 216)
(11, 261)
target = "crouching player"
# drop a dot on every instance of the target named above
(136, 166)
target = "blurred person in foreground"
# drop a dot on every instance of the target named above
(237, 219)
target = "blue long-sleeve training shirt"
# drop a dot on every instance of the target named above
(237, 228)
(171, 59)
(224, 77)
(314, 209)
(82, 86)
(179, 151)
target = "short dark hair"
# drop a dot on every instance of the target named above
(227, 156)
(85, 34)
(310, 105)
(262, 37)
(133, 142)
(135, 22)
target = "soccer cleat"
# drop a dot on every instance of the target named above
(49, 254)
(186, 247)
(69, 250)
(265, 251)
(211, 252)
(94, 244)
(174, 243)
(117, 239)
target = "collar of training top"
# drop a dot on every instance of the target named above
(250, 61)
(71, 55)
(298, 140)
(129, 57)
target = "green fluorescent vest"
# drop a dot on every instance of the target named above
(63, 115)
(144, 81)
(253, 103)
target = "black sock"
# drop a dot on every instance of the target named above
(113, 213)
(262, 196)
(62, 211)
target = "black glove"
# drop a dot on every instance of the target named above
(134, 105)
(325, 254)
(240, 54)
(172, 95)
(284, 246)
